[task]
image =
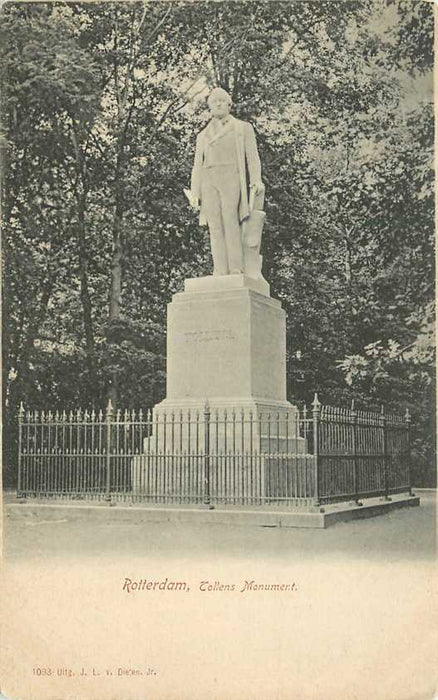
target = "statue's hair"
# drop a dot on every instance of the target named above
(218, 91)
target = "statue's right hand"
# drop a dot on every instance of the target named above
(193, 201)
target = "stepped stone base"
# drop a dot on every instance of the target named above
(236, 424)
(251, 516)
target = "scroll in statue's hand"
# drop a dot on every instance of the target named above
(258, 187)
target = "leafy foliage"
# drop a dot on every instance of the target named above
(101, 103)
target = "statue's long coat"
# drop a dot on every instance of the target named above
(247, 159)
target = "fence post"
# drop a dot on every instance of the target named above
(207, 455)
(408, 448)
(355, 457)
(109, 423)
(316, 418)
(385, 453)
(20, 494)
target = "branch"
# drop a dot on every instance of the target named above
(160, 23)
(115, 63)
(284, 58)
(169, 107)
(143, 17)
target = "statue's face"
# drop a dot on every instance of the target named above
(219, 106)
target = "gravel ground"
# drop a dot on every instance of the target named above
(408, 533)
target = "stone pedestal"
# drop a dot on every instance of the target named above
(226, 343)
(225, 340)
(225, 428)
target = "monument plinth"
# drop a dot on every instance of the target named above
(226, 343)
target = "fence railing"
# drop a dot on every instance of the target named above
(361, 454)
(293, 458)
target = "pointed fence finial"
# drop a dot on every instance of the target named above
(109, 409)
(316, 404)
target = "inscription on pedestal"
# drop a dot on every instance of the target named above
(194, 337)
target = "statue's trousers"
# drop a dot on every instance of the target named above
(220, 197)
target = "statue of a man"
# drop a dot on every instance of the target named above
(226, 150)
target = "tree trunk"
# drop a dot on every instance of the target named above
(91, 383)
(115, 289)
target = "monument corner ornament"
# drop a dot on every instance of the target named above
(231, 207)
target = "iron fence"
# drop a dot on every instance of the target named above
(293, 458)
(361, 454)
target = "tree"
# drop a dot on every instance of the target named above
(102, 102)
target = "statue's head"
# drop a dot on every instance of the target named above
(219, 102)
